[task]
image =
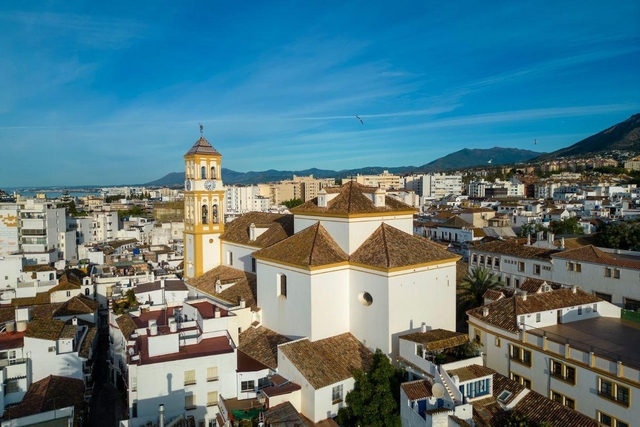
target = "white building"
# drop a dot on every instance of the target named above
(568, 345)
(434, 185)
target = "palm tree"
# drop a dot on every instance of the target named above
(473, 286)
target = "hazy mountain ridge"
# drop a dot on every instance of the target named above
(624, 136)
(459, 160)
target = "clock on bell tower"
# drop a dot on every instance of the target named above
(203, 208)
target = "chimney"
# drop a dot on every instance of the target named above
(252, 231)
(540, 236)
(378, 197)
(74, 321)
(161, 414)
(423, 327)
(574, 289)
(162, 283)
(322, 198)
(153, 327)
(216, 313)
(523, 294)
(550, 237)
(485, 311)
(529, 239)
(562, 243)
(243, 303)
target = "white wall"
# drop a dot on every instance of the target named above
(242, 256)
(45, 362)
(329, 303)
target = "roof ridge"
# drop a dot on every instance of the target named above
(385, 245)
(313, 242)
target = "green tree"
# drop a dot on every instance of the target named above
(292, 203)
(374, 400)
(621, 235)
(514, 419)
(531, 228)
(470, 291)
(566, 226)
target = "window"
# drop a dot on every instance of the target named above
(610, 421)
(213, 172)
(336, 394)
(212, 398)
(282, 285)
(212, 373)
(578, 267)
(481, 259)
(498, 342)
(538, 317)
(579, 311)
(203, 172)
(520, 266)
(562, 372)
(86, 291)
(474, 259)
(247, 386)
(190, 402)
(616, 274)
(134, 383)
(516, 283)
(68, 293)
(562, 399)
(602, 296)
(229, 258)
(489, 261)
(521, 380)
(507, 281)
(253, 265)
(613, 391)
(520, 355)
(205, 214)
(536, 269)
(496, 262)
(189, 377)
(631, 304)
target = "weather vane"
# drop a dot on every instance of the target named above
(201, 129)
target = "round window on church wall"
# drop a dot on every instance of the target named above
(365, 298)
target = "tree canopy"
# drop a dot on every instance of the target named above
(472, 288)
(374, 400)
(619, 235)
(292, 203)
(566, 226)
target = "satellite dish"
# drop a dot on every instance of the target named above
(438, 390)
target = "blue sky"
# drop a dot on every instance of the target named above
(112, 92)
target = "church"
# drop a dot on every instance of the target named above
(289, 304)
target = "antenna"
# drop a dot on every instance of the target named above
(201, 129)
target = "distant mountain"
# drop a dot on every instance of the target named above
(479, 157)
(458, 160)
(624, 136)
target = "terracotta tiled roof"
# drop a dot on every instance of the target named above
(352, 200)
(45, 329)
(64, 286)
(278, 227)
(420, 389)
(47, 394)
(127, 325)
(169, 285)
(7, 314)
(38, 268)
(477, 210)
(40, 298)
(76, 306)
(389, 248)
(202, 146)
(493, 294)
(244, 287)
(535, 407)
(467, 373)
(72, 275)
(437, 339)
(262, 344)
(532, 285)
(311, 247)
(328, 361)
(514, 248)
(592, 254)
(504, 313)
(43, 311)
(87, 344)
(459, 422)
(456, 222)
(284, 415)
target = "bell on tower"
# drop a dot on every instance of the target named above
(204, 202)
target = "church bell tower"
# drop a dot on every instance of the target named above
(204, 204)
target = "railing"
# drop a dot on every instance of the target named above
(631, 315)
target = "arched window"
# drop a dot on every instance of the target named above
(51, 276)
(205, 214)
(203, 172)
(215, 214)
(86, 291)
(213, 172)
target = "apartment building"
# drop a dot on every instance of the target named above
(568, 345)
(434, 185)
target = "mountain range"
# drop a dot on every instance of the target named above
(624, 136)
(459, 160)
